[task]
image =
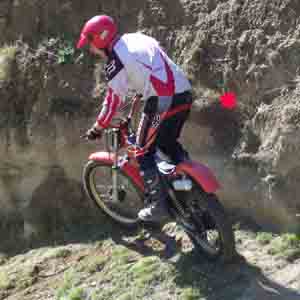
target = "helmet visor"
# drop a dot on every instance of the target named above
(83, 40)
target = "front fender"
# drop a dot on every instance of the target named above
(129, 169)
(201, 174)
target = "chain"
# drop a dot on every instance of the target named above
(177, 204)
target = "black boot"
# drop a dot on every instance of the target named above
(156, 210)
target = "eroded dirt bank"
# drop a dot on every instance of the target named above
(47, 101)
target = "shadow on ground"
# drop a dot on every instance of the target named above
(213, 281)
(238, 280)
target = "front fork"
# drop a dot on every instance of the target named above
(115, 167)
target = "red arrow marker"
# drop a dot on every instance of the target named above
(228, 100)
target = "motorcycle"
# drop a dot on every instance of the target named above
(112, 181)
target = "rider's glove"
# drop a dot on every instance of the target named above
(93, 133)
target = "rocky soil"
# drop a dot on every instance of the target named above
(99, 262)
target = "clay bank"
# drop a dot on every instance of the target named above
(50, 94)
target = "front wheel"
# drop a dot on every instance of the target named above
(97, 180)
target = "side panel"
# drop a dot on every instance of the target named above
(127, 168)
(201, 174)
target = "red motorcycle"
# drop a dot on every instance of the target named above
(112, 181)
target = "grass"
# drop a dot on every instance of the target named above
(122, 256)
(7, 56)
(123, 274)
(127, 296)
(66, 52)
(70, 290)
(93, 264)
(147, 271)
(127, 277)
(286, 245)
(114, 271)
(75, 294)
(5, 282)
(191, 294)
(109, 270)
(19, 281)
(58, 253)
(264, 238)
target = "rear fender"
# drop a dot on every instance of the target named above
(201, 174)
(129, 169)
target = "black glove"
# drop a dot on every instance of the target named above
(93, 134)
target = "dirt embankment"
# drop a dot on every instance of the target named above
(249, 47)
(50, 94)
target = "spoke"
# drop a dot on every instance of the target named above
(102, 186)
(106, 197)
(128, 204)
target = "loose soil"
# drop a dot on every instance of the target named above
(98, 262)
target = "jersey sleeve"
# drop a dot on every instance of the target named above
(116, 75)
(110, 105)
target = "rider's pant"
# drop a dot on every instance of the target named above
(162, 133)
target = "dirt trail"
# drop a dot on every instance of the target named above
(274, 277)
(42, 272)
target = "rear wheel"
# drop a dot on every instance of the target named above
(207, 226)
(97, 179)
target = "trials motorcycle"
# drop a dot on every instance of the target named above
(112, 181)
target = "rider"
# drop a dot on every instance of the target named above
(136, 61)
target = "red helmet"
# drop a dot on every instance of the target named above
(99, 30)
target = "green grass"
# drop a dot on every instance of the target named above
(127, 276)
(70, 290)
(121, 255)
(18, 280)
(123, 274)
(5, 281)
(286, 246)
(264, 238)
(66, 50)
(292, 240)
(75, 293)
(58, 252)
(147, 271)
(93, 264)
(127, 296)
(191, 294)
(7, 56)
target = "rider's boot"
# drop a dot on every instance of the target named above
(156, 210)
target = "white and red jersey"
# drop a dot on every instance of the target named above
(137, 62)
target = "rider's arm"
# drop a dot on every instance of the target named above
(109, 107)
(117, 91)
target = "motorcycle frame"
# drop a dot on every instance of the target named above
(197, 171)
(128, 164)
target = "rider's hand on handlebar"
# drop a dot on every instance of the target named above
(93, 134)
